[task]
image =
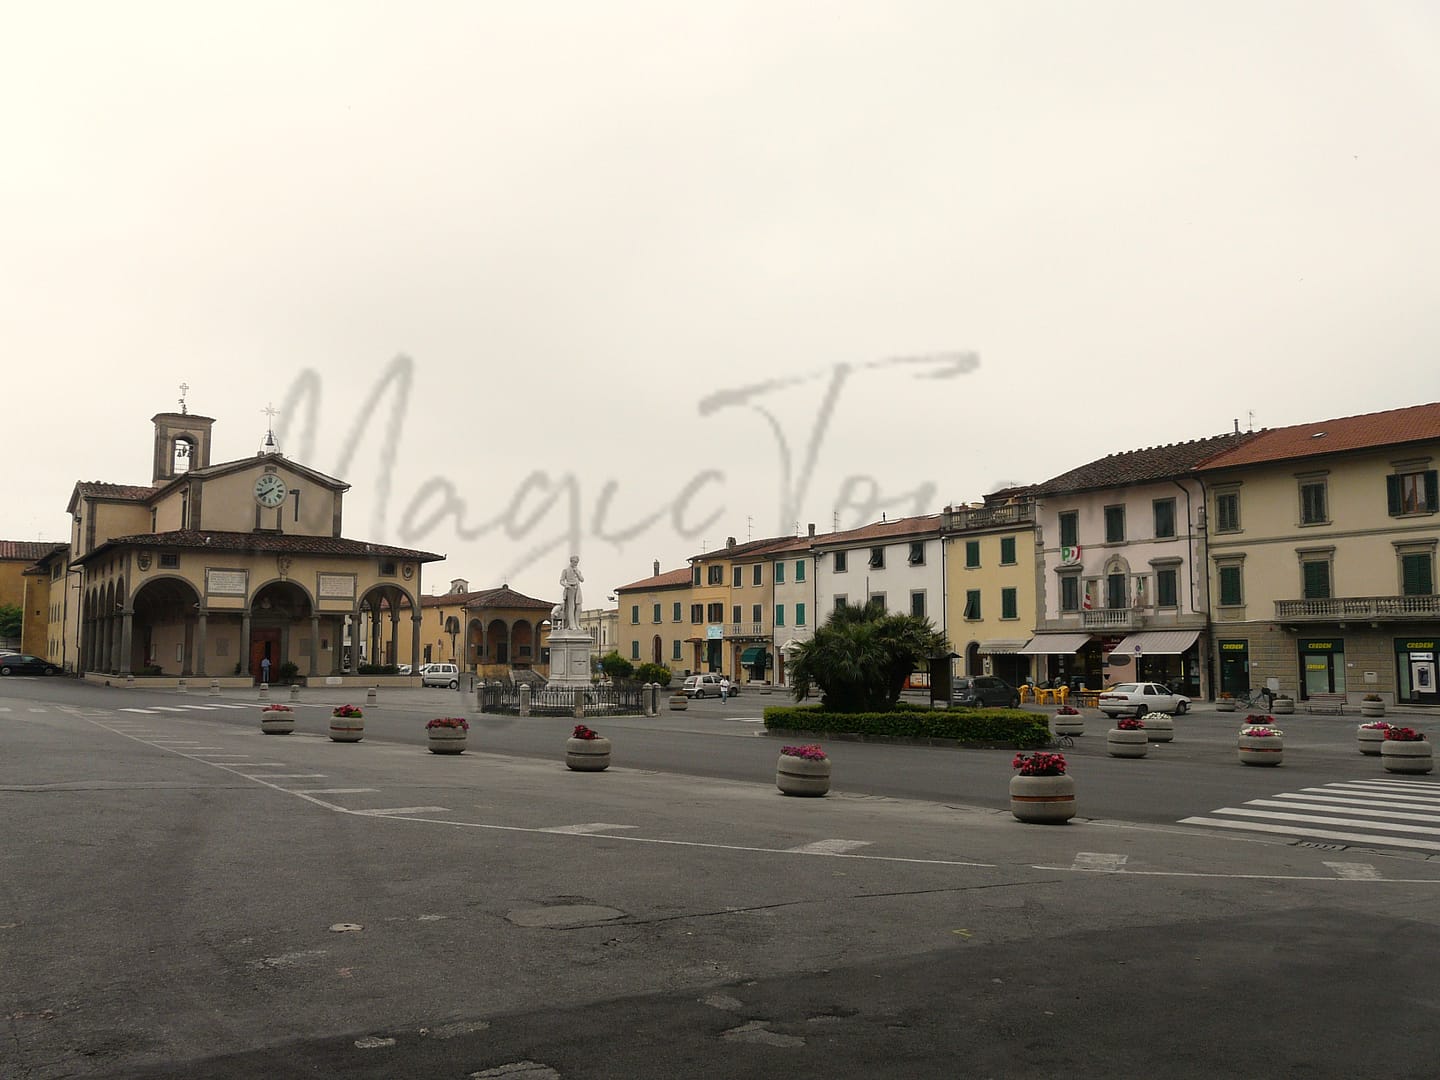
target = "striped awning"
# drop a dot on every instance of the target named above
(1054, 644)
(1157, 643)
(999, 648)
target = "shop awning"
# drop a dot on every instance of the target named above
(752, 654)
(1157, 642)
(999, 648)
(1054, 644)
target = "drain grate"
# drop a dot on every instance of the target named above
(1320, 847)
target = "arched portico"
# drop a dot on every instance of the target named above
(379, 611)
(163, 629)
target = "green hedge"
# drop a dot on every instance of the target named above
(1008, 727)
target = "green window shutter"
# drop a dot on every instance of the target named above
(1392, 494)
(1432, 490)
(1007, 550)
(1230, 585)
(799, 571)
(1416, 575)
(1317, 580)
(972, 604)
(779, 614)
(799, 614)
(779, 573)
(1008, 606)
(972, 553)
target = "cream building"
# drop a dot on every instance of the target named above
(990, 584)
(212, 570)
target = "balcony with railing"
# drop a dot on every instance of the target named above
(962, 518)
(744, 630)
(1358, 608)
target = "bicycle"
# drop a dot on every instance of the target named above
(1256, 696)
(1060, 742)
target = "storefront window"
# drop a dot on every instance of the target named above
(1322, 666)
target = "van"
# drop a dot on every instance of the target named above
(441, 675)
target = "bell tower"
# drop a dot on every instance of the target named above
(182, 443)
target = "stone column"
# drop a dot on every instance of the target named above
(187, 664)
(337, 643)
(127, 630)
(198, 666)
(314, 645)
(394, 657)
(245, 642)
(415, 621)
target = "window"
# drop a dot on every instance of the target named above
(877, 558)
(169, 560)
(1115, 591)
(154, 514)
(1164, 518)
(1007, 551)
(755, 613)
(675, 653)
(695, 574)
(1114, 524)
(735, 613)
(675, 612)
(715, 574)
(917, 553)
(840, 562)
(634, 613)
(972, 554)
(1417, 574)
(1412, 493)
(387, 567)
(799, 614)
(697, 613)
(799, 570)
(878, 601)
(1069, 593)
(779, 615)
(1312, 503)
(972, 603)
(1315, 579)
(840, 602)
(737, 577)
(655, 614)
(779, 573)
(1165, 588)
(1070, 528)
(758, 577)
(917, 604)
(1009, 605)
(1231, 590)
(1227, 511)
(634, 650)
(715, 613)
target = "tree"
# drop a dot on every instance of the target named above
(861, 657)
(11, 618)
(616, 667)
(656, 673)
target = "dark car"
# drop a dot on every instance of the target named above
(985, 690)
(25, 664)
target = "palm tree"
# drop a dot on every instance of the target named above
(861, 657)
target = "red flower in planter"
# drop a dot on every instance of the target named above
(583, 732)
(1039, 763)
(810, 752)
(1404, 734)
(449, 722)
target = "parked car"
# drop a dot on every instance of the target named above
(403, 669)
(25, 664)
(980, 690)
(1139, 698)
(699, 686)
(441, 675)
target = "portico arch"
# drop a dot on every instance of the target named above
(164, 617)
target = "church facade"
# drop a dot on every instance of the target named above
(233, 571)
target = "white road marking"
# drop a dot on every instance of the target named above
(403, 810)
(1097, 860)
(1316, 819)
(286, 775)
(1394, 815)
(332, 790)
(829, 847)
(1355, 870)
(1378, 793)
(1321, 834)
(1344, 800)
(590, 829)
(167, 708)
(147, 712)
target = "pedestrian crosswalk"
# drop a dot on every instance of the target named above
(1381, 812)
(153, 709)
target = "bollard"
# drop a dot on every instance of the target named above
(650, 703)
(370, 695)
(524, 699)
(180, 687)
(579, 703)
(214, 687)
(264, 691)
(294, 692)
(129, 682)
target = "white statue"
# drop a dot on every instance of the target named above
(570, 579)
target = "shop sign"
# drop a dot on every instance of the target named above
(1234, 646)
(1322, 646)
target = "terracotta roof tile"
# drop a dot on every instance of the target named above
(1394, 427)
(1143, 466)
(290, 543)
(128, 492)
(29, 550)
(671, 579)
(503, 597)
(881, 530)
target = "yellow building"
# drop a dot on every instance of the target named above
(990, 590)
(656, 623)
(235, 570)
(23, 590)
(492, 632)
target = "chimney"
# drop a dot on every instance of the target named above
(729, 542)
(657, 567)
(812, 530)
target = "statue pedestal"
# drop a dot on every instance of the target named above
(570, 658)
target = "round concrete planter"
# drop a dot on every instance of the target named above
(347, 728)
(1062, 724)
(1371, 739)
(587, 755)
(1159, 727)
(1410, 756)
(1282, 706)
(1043, 800)
(1372, 709)
(1122, 743)
(277, 723)
(1225, 705)
(1260, 749)
(446, 740)
(802, 776)
(679, 702)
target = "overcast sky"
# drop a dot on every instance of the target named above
(670, 272)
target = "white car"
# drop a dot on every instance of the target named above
(440, 675)
(699, 686)
(1136, 699)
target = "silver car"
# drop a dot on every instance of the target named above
(1136, 699)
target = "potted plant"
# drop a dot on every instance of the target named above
(1282, 703)
(277, 719)
(347, 724)
(1128, 738)
(1372, 705)
(1041, 792)
(1406, 750)
(1068, 721)
(587, 750)
(1259, 743)
(1371, 737)
(447, 734)
(1225, 702)
(1159, 727)
(802, 770)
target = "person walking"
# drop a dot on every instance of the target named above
(724, 687)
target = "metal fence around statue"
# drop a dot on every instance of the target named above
(627, 699)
